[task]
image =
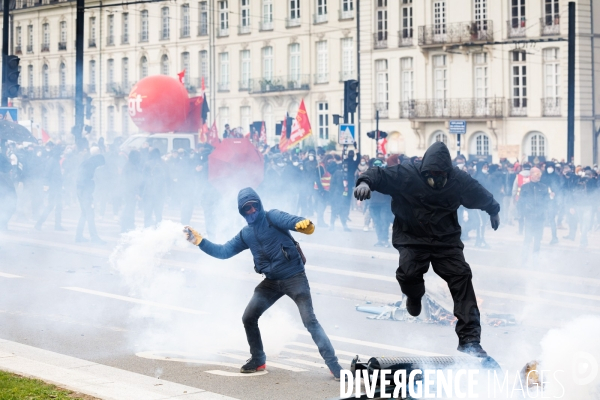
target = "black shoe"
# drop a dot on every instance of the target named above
(413, 306)
(335, 371)
(473, 349)
(253, 365)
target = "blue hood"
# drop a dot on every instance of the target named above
(248, 194)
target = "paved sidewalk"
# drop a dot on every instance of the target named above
(93, 379)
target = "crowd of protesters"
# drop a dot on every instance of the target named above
(103, 181)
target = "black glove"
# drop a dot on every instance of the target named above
(495, 221)
(362, 192)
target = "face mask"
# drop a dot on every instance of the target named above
(460, 166)
(295, 163)
(550, 170)
(280, 164)
(581, 173)
(251, 218)
(311, 158)
(437, 182)
(485, 171)
(362, 162)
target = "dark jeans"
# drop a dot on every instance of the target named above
(86, 201)
(381, 219)
(534, 230)
(449, 263)
(265, 295)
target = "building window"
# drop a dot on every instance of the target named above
(551, 73)
(19, 38)
(517, 13)
(185, 20)
(440, 77)
(381, 82)
(407, 22)
(125, 73)
(223, 117)
(246, 67)
(30, 76)
(245, 13)
(185, 65)
(144, 26)
(110, 24)
(92, 77)
(407, 71)
(203, 19)
(347, 6)
(164, 65)
(480, 11)
(245, 118)
(165, 33)
(63, 76)
(63, 36)
(61, 120)
(480, 145)
(321, 15)
(45, 78)
(125, 28)
(143, 67)
(223, 18)
(110, 120)
(224, 71)
(125, 120)
(551, 21)
(323, 120)
(29, 38)
(439, 19)
(294, 9)
(294, 63)
(322, 62)
(267, 56)
(268, 119)
(481, 75)
(110, 72)
(46, 36)
(519, 83)
(44, 118)
(203, 64)
(92, 42)
(347, 59)
(440, 137)
(382, 21)
(536, 145)
(267, 15)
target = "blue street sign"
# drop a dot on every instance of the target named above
(458, 127)
(346, 134)
(9, 113)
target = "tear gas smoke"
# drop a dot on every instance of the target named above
(139, 259)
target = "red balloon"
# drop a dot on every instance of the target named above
(158, 104)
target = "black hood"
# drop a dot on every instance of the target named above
(437, 158)
(248, 194)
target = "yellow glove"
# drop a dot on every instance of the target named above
(305, 226)
(192, 236)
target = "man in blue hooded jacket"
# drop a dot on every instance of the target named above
(276, 256)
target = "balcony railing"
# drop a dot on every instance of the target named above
(144, 37)
(90, 88)
(517, 28)
(405, 37)
(47, 92)
(292, 22)
(243, 29)
(348, 14)
(185, 32)
(222, 32)
(322, 77)
(62, 45)
(319, 18)
(91, 42)
(459, 32)
(265, 26)
(280, 84)
(380, 40)
(164, 34)
(550, 25)
(203, 30)
(383, 108)
(517, 107)
(118, 89)
(45, 47)
(345, 75)
(110, 40)
(29, 48)
(551, 107)
(492, 107)
(18, 49)
(124, 39)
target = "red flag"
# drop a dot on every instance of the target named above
(203, 88)
(283, 140)
(181, 75)
(263, 134)
(45, 136)
(301, 126)
(381, 146)
(213, 135)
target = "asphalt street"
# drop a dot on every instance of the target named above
(181, 321)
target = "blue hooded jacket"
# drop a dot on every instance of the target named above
(274, 252)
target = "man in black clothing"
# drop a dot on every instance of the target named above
(425, 197)
(53, 184)
(553, 180)
(85, 195)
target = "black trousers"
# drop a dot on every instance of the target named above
(86, 203)
(265, 295)
(449, 263)
(54, 203)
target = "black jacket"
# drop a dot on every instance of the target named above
(535, 199)
(423, 215)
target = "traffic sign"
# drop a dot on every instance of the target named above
(9, 113)
(346, 134)
(458, 127)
